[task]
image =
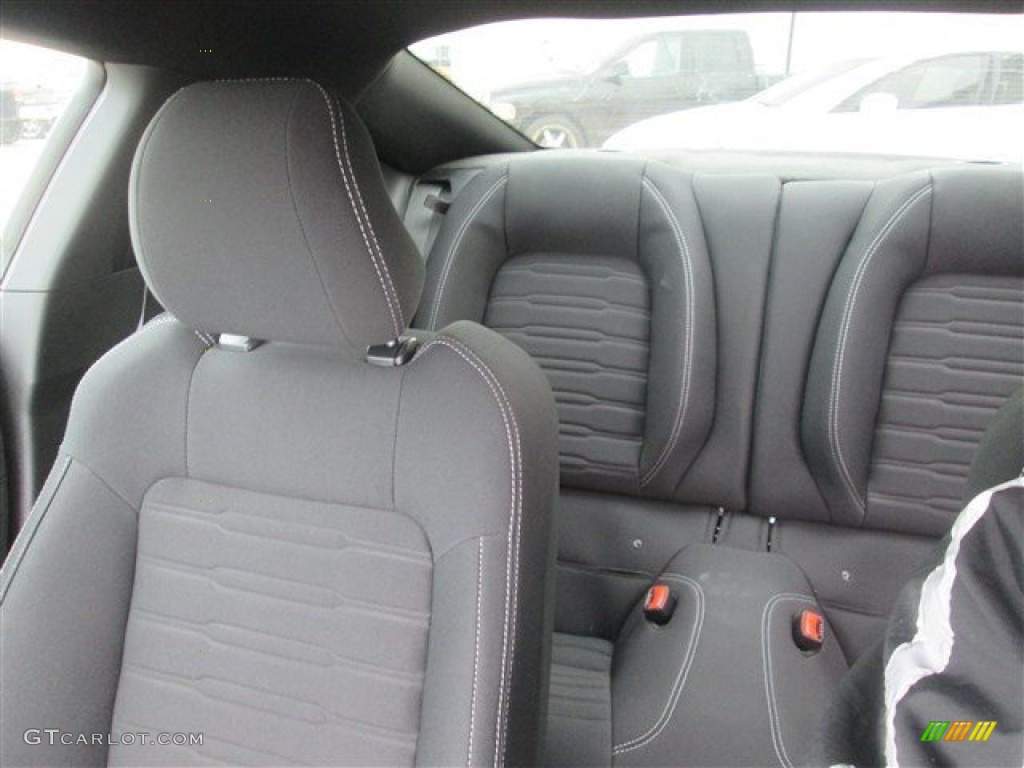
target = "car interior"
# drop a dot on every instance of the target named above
(342, 424)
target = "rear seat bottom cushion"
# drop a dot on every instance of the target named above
(722, 683)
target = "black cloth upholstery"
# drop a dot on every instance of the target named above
(258, 209)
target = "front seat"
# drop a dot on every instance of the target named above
(255, 539)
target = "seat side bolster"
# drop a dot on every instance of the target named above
(473, 233)
(476, 466)
(739, 215)
(682, 371)
(817, 220)
(63, 627)
(129, 403)
(63, 611)
(976, 222)
(887, 253)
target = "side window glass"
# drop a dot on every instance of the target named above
(36, 85)
(1009, 88)
(951, 81)
(713, 53)
(642, 61)
(901, 85)
(948, 81)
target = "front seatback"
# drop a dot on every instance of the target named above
(252, 534)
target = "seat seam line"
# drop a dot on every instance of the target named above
(476, 648)
(396, 314)
(514, 529)
(684, 397)
(456, 244)
(686, 664)
(769, 678)
(835, 446)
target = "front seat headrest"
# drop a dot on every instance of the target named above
(258, 209)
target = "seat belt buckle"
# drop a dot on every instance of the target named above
(659, 604)
(809, 630)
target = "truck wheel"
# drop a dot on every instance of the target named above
(555, 132)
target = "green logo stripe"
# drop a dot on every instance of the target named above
(935, 731)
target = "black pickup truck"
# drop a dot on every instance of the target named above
(649, 75)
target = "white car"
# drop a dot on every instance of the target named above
(965, 105)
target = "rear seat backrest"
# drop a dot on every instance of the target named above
(600, 267)
(600, 271)
(921, 339)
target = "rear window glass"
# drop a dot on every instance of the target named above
(941, 85)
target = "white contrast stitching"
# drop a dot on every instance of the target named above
(450, 258)
(379, 265)
(684, 398)
(835, 447)
(514, 529)
(769, 678)
(655, 730)
(369, 225)
(476, 647)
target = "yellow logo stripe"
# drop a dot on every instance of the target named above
(982, 730)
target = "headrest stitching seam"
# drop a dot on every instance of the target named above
(354, 196)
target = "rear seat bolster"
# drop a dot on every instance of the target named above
(465, 258)
(817, 220)
(887, 253)
(977, 224)
(921, 340)
(739, 215)
(681, 380)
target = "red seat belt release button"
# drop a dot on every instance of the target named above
(809, 630)
(659, 604)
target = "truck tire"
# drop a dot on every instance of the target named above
(555, 132)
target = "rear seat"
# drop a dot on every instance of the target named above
(735, 420)
(862, 446)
